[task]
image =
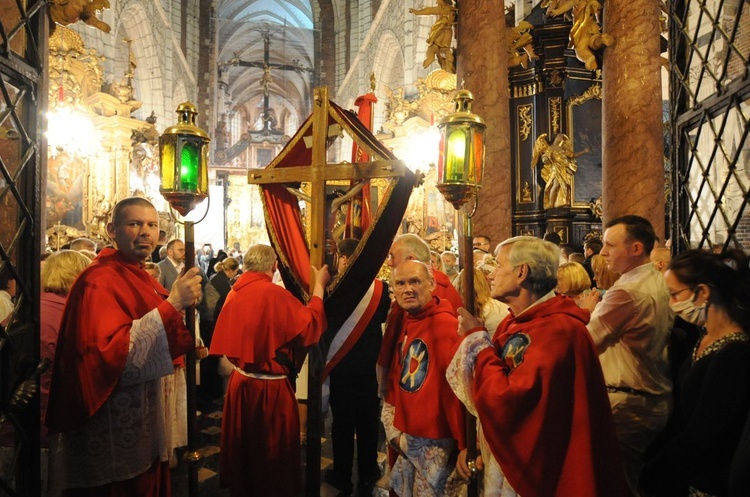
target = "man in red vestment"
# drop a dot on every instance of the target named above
(537, 386)
(120, 332)
(424, 422)
(409, 247)
(261, 329)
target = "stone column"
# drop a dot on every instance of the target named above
(633, 157)
(481, 62)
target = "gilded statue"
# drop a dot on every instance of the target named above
(585, 35)
(520, 49)
(441, 34)
(66, 12)
(558, 167)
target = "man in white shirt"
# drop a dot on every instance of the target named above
(630, 328)
(7, 292)
(173, 265)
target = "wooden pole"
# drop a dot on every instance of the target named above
(317, 259)
(466, 252)
(192, 457)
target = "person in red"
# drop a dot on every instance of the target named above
(410, 247)
(537, 387)
(120, 332)
(261, 329)
(424, 422)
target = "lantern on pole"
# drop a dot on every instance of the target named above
(183, 149)
(460, 168)
(461, 158)
(183, 154)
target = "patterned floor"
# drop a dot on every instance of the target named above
(209, 425)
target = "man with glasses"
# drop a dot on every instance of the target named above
(482, 242)
(630, 328)
(423, 446)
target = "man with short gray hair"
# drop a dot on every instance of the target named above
(263, 330)
(536, 387)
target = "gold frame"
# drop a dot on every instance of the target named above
(592, 92)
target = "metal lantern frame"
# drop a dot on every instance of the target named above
(183, 150)
(461, 158)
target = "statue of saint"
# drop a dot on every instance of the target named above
(558, 167)
(441, 35)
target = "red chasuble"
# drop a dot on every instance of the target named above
(541, 397)
(425, 404)
(254, 327)
(443, 290)
(94, 337)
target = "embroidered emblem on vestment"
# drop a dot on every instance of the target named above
(414, 366)
(514, 350)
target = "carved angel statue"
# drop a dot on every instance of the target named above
(66, 12)
(397, 107)
(519, 40)
(558, 167)
(585, 35)
(441, 35)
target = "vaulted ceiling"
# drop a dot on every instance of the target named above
(288, 24)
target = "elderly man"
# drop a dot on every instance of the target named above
(120, 331)
(262, 330)
(411, 247)
(536, 387)
(630, 328)
(424, 422)
(450, 264)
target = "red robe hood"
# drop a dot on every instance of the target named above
(547, 415)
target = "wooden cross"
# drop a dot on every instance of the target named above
(317, 174)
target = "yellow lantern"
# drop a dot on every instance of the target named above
(183, 150)
(461, 159)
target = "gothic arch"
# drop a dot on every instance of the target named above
(388, 66)
(149, 78)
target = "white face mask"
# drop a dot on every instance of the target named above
(690, 312)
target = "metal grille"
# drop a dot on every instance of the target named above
(710, 107)
(23, 47)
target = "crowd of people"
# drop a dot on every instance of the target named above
(612, 371)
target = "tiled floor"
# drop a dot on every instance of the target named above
(208, 478)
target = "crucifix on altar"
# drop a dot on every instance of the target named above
(305, 161)
(269, 126)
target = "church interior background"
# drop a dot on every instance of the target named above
(82, 109)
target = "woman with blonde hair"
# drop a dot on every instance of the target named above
(572, 279)
(58, 274)
(603, 277)
(492, 311)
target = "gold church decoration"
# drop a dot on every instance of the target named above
(585, 34)
(520, 49)
(524, 118)
(65, 12)
(559, 165)
(440, 39)
(555, 108)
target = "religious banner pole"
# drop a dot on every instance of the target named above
(304, 160)
(317, 259)
(460, 167)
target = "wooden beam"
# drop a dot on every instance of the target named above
(304, 174)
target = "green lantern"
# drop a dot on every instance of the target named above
(461, 158)
(183, 150)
